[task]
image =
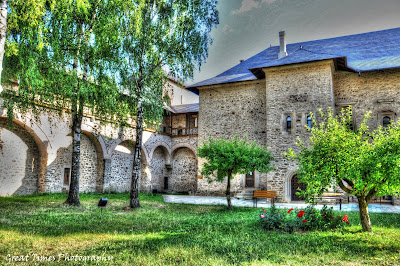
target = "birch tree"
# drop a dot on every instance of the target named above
(161, 35)
(74, 70)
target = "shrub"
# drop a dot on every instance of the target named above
(308, 219)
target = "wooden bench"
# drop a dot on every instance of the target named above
(334, 195)
(263, 194)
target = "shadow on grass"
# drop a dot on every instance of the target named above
(163, 233)
(231, 248)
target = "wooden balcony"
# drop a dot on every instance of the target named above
(178, 132)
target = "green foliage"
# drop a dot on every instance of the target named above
(362, 162)
(226, 158)
(64, 56)
(308, 219)
(162, 38)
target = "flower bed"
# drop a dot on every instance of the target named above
(308, 219)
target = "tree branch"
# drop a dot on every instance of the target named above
(345, 189)
(371, 194)
(348, 181)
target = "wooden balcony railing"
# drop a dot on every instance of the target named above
(187, 131)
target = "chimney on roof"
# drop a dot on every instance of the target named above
(282, 42)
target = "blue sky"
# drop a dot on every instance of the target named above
(250, 26)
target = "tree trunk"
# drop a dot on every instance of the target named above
(3, 28)
(228, 191)
(364, 215)
(134, 193)
(73, 194)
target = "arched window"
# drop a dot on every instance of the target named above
(386, 121)
(288, 124)
(309, 122)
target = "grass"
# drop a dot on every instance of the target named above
(168, 234)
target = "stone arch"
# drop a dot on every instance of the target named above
(98, 164)
(183, 145)
(120, 172)
(184, 169)
(34, 170)
(166, 149)
(88, 130)
(161, 167)
(120, 140)
(288, 184)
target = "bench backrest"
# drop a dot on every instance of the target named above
(339, 194)
(264, 194)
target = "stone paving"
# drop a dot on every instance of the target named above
(203, 200)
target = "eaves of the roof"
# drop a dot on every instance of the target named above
(183, 108)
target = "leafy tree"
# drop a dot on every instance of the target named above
(361, 162)
(226, 158)
(160, 36)
(19, 18)
(73, 71)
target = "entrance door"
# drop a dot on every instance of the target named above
(297, 184)
(250, 180)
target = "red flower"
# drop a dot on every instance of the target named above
(265, 211)
(290, 210)
(304, 221)
(345, 218)
(278, 211)
(301, 213)
(347, 222)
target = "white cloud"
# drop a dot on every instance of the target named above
(268, 1)
(227, 29)
(247, 5)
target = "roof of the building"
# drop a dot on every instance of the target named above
(184, 108)
(363, 52)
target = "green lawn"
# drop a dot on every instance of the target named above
(160, 233)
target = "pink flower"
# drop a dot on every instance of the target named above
(262, 216)
(284, 207)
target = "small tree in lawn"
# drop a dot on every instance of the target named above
(363, 163)
(226, 158)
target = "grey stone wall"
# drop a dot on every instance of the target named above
(293, 91)
(376, 91)
(121, 170)
(184, 171)
(158, 169)
(89, 165)
(229, 110)
(19, 157)
(102, 166)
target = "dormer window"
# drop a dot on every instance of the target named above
(309, 122)
(288, 124)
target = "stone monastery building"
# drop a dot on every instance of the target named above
(266, 98)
